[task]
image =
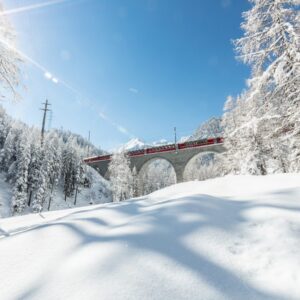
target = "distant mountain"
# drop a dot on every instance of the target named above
(137, 144)
(160, 143)
(133, 144)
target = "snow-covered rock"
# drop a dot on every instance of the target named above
(236, 237)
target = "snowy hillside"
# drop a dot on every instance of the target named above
(33, 170)
(236, 237)
(98, 192)
(210, 128)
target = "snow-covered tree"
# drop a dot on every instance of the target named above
(135, 182)
(53, 160)
(205, 166)
(36, 171)
(120, 177)
(8, 154)
(73, 173)
(266, 119)
(5, 124)
(40, 195)
(19, 200)
(48, 172)
(270, 44)
(35, 164)
(156, 175)
(209, 129)
(9, 58)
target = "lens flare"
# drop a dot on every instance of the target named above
(49, 76)
(31, 7)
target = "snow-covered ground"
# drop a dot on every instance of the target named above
(236, 237)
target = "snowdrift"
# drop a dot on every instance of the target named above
(236, 237)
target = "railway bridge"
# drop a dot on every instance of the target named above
(178, 155)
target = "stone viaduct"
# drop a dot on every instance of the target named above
(177, 155)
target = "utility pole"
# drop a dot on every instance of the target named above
(45, 109)
(175, 139)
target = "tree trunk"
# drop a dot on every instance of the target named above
(50, 198)
(29, 199)
(76, 191)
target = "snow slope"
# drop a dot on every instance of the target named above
(236, 237)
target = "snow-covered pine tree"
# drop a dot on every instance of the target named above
(19, 199)
(40, 193)
(135, 183)
(5, 124)
(49, 171)
(53, 157)
(8, 155)
(35, 163)
(67, 169)
(46, 169)
(120, 177)
(79, 179)
(72, 170)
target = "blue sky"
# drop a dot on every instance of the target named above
(128, 68)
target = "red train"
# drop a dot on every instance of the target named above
(164, 148)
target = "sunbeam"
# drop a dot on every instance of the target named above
(31, 7)
(49, 76)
